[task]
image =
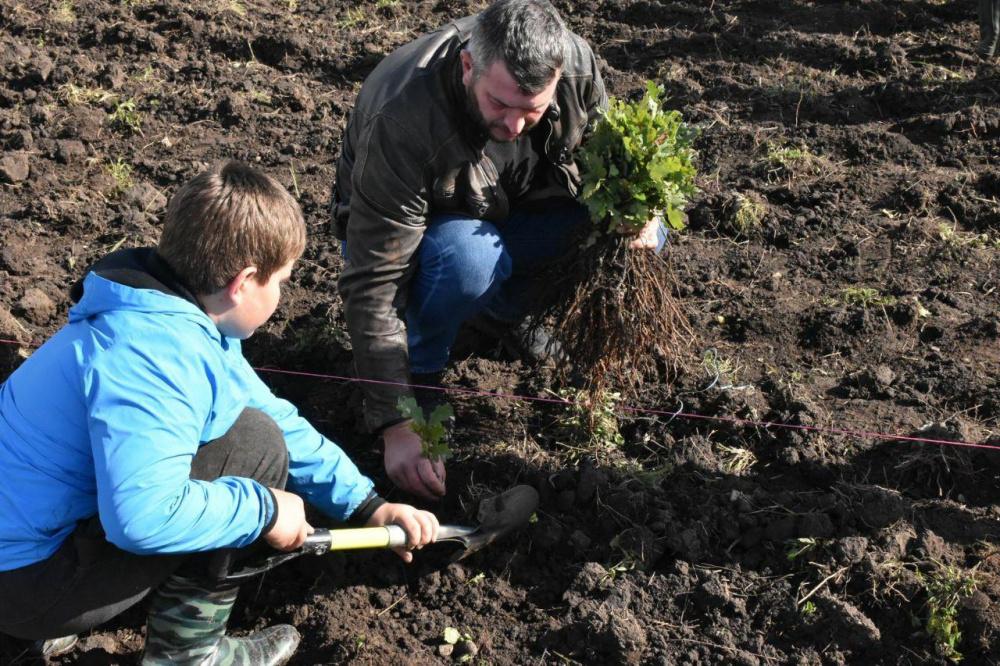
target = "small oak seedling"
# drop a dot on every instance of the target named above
(638, 163)
(431, 430)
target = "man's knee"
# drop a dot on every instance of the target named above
(468, 254)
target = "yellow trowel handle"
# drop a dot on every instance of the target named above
(324, 541)
(355, 538)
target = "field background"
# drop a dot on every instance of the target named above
(840, 267)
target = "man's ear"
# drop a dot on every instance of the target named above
(467, 67)
(236, 288)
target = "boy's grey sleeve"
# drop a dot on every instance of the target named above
(363, 513)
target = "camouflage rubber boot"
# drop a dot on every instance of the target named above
(187, 626)
(989, 27)
(54, 647)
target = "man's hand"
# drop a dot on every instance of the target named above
(407, 468)
(290, 529)
(421, 527)
(648, 238)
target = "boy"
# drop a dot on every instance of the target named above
(139, 435)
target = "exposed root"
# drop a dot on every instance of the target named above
(615, 313)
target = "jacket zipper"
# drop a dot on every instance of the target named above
(493, 177)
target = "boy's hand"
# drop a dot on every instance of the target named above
(421, 527)
(290, 529)
(407, 467)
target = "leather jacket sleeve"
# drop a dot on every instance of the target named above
(387, 220)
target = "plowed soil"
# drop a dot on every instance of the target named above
(840, 266)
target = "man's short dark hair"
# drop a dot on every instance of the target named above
(526, 35)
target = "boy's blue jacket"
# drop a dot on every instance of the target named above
(106, 416)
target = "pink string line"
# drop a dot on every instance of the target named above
(624, 408)
(642, 410)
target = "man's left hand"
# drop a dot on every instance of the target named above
(648, 238)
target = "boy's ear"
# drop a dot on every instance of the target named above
(236, 288)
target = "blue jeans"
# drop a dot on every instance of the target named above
(467, 266)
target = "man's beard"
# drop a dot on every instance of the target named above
(490, 130)
(475, 115)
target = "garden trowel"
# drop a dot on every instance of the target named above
(498, 515)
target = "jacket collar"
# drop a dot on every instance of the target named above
(139, 268)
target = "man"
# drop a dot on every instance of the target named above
(455, 185)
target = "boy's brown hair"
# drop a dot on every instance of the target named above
(225, 219)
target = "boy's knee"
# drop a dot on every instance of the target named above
(256, 423)
(260, 434)
(253, 447)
